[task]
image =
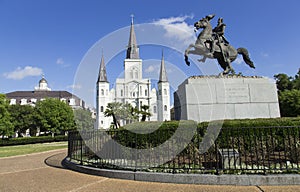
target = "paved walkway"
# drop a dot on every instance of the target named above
(43, 172)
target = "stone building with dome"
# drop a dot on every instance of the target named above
(133, 88)
(41, 92)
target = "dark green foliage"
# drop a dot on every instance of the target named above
(55, 116)
(112, 110)
(126, 112)
(23, 118)
(289, 103)
(6, 127)
(144, 112)
(283, 82)
(130, 137)
(288, 94)
(32, 140)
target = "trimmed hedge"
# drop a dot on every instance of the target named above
(32, 140)
(130, 138)
(245, 123)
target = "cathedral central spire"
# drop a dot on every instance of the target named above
(132, 48)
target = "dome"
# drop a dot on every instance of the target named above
(43, 80)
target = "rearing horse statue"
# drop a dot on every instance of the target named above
(211, 47)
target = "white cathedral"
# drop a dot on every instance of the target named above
(133, 88)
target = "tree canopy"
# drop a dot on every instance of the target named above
(6, 127)
(288, 94)
(23, 118)
(55, 116)
(126, 112)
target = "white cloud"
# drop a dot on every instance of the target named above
(60, 61)
(74, 86)
(150, 69)
(20, 73)
(177, 28)
(264, 54)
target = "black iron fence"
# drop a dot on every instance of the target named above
(235, 150)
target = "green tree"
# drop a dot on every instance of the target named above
(129, 113)
(23, 118)
(296, 81)
(145, 112)
(83, 119)
(113, 110)
(55, 116)
(288, 94)
(283, 82)
(6, 127)
(289, 102)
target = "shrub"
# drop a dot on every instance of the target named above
(32, 140)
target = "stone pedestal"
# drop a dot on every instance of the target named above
(207, 98)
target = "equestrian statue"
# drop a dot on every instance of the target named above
(211, 43)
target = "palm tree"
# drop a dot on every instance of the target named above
(130, 113)
(112, 110)
(144, 112)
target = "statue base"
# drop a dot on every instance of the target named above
(208, 98)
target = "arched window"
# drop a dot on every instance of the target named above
(131, 74)
(121, 92)
(165, 91)
(102, 92)
(154, 109)
(165, 108)
(146, 92)
(101, 109)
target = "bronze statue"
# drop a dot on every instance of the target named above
(211, 43)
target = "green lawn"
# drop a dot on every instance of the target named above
(8, 151)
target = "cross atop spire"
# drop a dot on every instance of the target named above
(132, 16)
(163, 73)
(102, 71)
(132, 48)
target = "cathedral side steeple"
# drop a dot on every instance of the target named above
(163, 74)
(102, 77)
(163, 97)
(132, 48)
(102, 97)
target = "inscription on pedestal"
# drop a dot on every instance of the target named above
(237, 93)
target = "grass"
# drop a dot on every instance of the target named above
(9, 151)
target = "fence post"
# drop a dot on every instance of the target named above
(217, 157)
(81, 152)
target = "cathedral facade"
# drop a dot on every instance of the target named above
(133, 88)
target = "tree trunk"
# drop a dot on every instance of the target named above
(115, 121)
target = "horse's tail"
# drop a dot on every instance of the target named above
(245, 54)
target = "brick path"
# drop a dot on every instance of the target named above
(43, 172)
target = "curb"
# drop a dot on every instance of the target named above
(203, 179)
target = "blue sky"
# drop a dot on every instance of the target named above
(52, 37)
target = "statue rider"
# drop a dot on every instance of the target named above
(218, 34)
(220, 40)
